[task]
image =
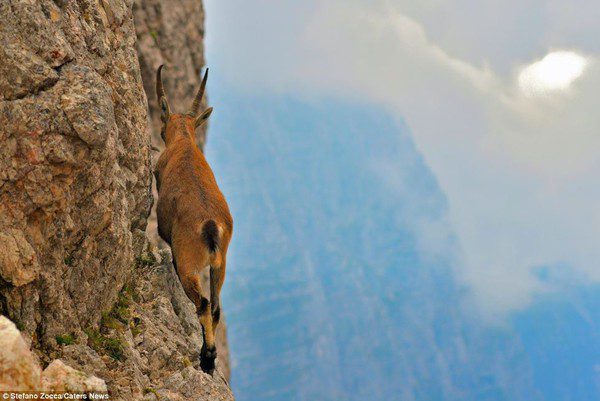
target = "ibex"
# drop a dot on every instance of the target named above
(193, 216)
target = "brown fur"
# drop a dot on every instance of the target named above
(190, 205)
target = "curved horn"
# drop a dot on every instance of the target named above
(162, 98)
(160, 90)
(196, 105)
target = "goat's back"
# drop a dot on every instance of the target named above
(188, 192)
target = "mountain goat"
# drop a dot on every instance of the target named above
(193, 215)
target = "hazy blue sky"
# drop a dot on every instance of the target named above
(414, 185)
(501, 99)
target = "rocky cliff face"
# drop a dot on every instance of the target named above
(76, 273)
(75, 165)
(170, 33)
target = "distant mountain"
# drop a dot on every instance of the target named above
(340, 283)
(561, 337)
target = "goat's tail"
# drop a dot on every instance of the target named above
(210, 235)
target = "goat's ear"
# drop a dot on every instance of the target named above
(203, 117)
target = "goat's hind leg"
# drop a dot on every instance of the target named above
(217, 277)
(208, 353)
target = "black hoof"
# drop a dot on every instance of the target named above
(207, 364)
(207, 359)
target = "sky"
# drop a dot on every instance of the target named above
(499, 96)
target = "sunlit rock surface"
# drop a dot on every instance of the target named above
(20, 370)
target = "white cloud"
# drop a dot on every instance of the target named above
(556, 71)
(520, 171)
